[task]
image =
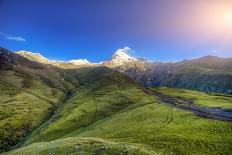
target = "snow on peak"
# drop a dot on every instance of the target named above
(33, 56)
(79, 62)
(122, 55)
(29, 53)
(39, 58)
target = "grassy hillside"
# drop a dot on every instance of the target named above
(82, 146)
(209, 74)
(200, 98)
(100, 94)
(99, 111)
(110, 114)
(29, 92)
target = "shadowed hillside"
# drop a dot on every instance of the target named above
(29, 92)
(208, 74)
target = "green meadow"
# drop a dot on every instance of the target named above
(109, 114)
(213, 100)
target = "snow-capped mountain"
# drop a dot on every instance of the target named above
(79, 62)
(41, 59)
(34, 57)
(121, 56)
(150, 73)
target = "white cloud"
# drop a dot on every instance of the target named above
(215, 51)
(15, 38)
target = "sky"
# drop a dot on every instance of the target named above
(159, 30)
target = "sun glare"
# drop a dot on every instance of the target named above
(228, 18)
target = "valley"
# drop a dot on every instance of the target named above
(96, 109)
(188, 104)
(122, 77)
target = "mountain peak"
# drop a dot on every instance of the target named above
(122, 55)
(33, 56)
(41, 59)
(79, 62)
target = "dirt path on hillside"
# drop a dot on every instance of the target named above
(188, 104)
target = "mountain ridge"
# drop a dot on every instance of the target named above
(119, 57)
(207, 73)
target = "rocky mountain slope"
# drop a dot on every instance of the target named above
(119, 58)
(209, 73)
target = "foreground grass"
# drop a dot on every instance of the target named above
(109, 107)
(83, 146)
(166, 130)
(200, 98)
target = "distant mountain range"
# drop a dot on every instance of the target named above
(209, 73)
(41, 59)
(119, 58)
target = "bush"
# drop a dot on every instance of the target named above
(12, 132)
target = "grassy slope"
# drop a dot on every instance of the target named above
(107, 106)
(204, 99)
(29, 91)
(93, 101)
(192, 76)
(208, 73)
(82, 146)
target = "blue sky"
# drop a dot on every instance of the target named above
(162, 30)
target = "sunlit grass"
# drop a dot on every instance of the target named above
(107, 106)
(201, 98)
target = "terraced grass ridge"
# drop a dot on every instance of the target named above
(95, 110)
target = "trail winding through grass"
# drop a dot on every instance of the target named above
(188, 104)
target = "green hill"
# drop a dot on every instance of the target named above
(103, 112)
(29, 92)
(108, 106)
(213, 100)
